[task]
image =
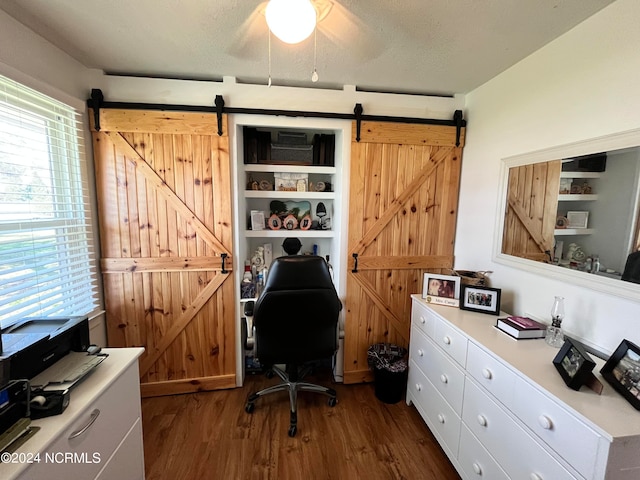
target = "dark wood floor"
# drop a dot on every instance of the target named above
(210, 436)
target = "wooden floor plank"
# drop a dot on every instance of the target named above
(209, 435)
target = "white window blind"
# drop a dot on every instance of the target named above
(47, 257)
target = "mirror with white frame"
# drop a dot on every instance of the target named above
(571, 212)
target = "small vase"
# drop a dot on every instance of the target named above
(554, 335)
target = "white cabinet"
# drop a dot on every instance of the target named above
(98, 436)
(516, 418)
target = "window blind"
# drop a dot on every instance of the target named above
(47, 255)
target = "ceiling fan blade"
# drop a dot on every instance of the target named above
(347, 31)
(250, 39)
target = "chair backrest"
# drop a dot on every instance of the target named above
(296, 315)
(632, 268)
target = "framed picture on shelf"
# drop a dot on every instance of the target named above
(441, 289)
(574, 364)
(622, 371)
(577, 219)
(257, 220)
(480, 299)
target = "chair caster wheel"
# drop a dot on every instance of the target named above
(269, 374)
(332, 402)
(292, 430)
(249, 407)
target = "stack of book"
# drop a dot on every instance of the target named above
(521, 327)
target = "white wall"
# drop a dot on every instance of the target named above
(583, 85)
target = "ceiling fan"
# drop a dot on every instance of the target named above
(334, 22)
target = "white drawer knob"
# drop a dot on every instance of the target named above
(535, 476)
(441, 418)
(545, 422)
(486, 373)
(444, 379)
(420, 353)
(477, 469)
(422, 320)
(482, 420)
(418, 387)
(446, 340)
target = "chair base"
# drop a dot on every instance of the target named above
(291, 384)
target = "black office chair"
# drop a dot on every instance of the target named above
(632, 268)
(296, 322)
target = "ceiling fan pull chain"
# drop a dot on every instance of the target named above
(269, 83)
(314, 75)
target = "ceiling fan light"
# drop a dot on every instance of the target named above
(291, 21)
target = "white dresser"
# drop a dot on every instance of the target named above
(99, 435)
(500, 410)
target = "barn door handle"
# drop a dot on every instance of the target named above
(224, 257)
(355, 265)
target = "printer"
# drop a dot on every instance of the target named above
(27, 348)
(32, 345)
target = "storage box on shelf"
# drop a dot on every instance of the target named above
(500, 410)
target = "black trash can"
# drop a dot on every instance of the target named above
(389, 365)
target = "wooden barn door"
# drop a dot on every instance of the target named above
(164, 198)
(402, 215)
(532, 208)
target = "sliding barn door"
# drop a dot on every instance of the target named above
(402, 215)
(164, 197)
(532, 208)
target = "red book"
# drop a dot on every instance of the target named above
(517, 331)
(527, 323)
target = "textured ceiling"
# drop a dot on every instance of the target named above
(440, 47)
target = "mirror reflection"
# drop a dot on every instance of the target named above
(579, 213)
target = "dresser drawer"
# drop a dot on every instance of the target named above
(475, 461)
(451, 341)
(440, 417)
(491, 374)
(443, 373)
(563, 432)
(94, 436)
(423, 318)
(517, 452)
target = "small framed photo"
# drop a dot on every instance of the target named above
(257, 220)
(577, 219)
(441, 289)
(480, 299)
(622, 371)
(574, 364)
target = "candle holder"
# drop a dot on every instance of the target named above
(554, 335)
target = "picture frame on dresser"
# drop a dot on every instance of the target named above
(441, 289)
(622, 371)
(480, 299)
(574, 364)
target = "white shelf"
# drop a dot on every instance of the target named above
(278, 195)
(264, 167)
(576, 197)
(580, 174)
(573, 231)
(283, 233)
